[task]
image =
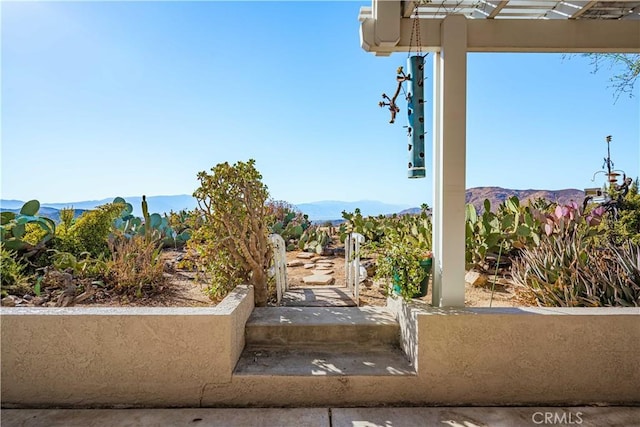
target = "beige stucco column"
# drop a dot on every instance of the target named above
(449, 151)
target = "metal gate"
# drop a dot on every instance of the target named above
(352, 263)
(279, 265)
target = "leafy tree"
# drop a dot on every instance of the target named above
(233, 240)
(628, 66)
(627, 227)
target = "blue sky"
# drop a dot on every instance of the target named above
(132, 98)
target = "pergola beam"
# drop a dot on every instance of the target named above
(584, 8)
(408, 7)
(497, 9)
(515, 35)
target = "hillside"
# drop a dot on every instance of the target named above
(332, 209)
(497, 195)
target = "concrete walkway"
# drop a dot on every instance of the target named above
(326, 417)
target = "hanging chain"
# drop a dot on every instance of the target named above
(415, 30)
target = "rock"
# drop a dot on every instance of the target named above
(8, 301)
(309, 265)
(305, 255)
(169, 267)
(322, 271)
(369, 265)
(27, 297)
(318, 279)
(338, 251)
(57, 279)
(323, 265)
(327, 251)
(295, 263)
(363, 274)
(67, 297)
(475, 278)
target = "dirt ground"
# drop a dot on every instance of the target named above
(373, 292)
(184, 288)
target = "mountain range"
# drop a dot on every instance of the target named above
(159, 204)
(317, 211)
(497, 195)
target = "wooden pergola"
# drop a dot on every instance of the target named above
(450, 29)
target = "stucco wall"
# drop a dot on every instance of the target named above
(91, 357)
(512, 356)
(120, 356)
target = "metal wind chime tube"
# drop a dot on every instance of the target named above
(415, 113)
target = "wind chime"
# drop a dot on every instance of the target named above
(605, 194)
(414, 95)
(612, 174)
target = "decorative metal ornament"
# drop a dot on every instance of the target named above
(415, 101)
(415, 116)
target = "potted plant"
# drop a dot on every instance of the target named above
(405, 265)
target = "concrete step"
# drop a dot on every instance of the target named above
(308, 327)
(318, 296)
(321, 363)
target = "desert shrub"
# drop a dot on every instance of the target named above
(27, 234)
(135, 266)
(67, 217)
(82, 266)
(13, 274)
(372, 228)
(501, 233)
(183, 220)
(90, 232)
(572, 270)
(34, 234)
(627, 225)
(232, 243)
(286, 220)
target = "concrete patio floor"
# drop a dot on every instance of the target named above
(321, 417)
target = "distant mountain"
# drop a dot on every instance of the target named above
(410, 211)
(332, 209)
(497, 195)
(51, 213)
(9, 205)
(157, 204)
(318, 211)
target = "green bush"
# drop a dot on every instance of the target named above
(82, 266)
(398, 263)
(627, 226)
(90, 232)
(13, 274)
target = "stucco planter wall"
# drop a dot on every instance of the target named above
(163, 357)
(524, 356)
(120, 356)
